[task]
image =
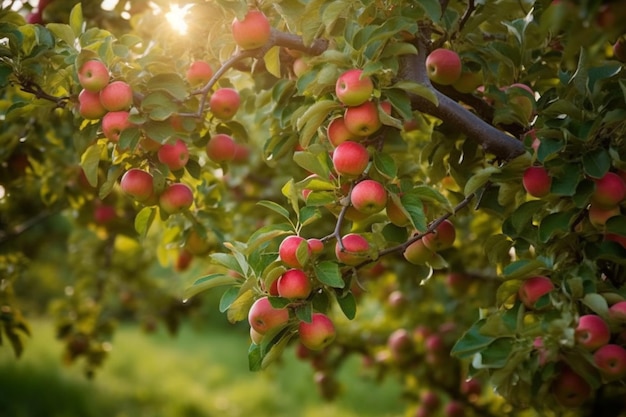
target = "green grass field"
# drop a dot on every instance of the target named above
(196, 374)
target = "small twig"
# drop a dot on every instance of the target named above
(471, 6)
(35, 89)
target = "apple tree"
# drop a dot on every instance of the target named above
(433, 186)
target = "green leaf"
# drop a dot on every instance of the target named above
(315, 163)
(272, 61)
(90, 160)
(206, 283)
(228, 298)
(328, 273)
(524, 214)
(275, 208)
(480, 178)
(238, 310)
(255, 359)
(472, 342)
(171, 83)
(555, 224)
(617, 225)
(432, 9)
(348, 305)
(63, 32)
(312, 119)
(228, 261)
(412, 204)
(144, 219)
(522, 268)
(385, 165)
(417, 89)
(304, 312)
(566, 180)
(597, 304)
(596, 163)
(76, 20)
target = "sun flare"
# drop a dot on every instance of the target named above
(176, 17)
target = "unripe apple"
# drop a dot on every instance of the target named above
(263, 317)
(294, 251)
(443, 66)
(352, 88)
(137, 183)
(395, 214)
(300, 67)
(362, 120)
(224, 103)
(368, 196)
(522, 101)
(610, 359)
(294, 283)
(356, 249)
(468, 82)
(199, 73)
(610, 190)
(221, 148)
(417, 253)
(175, 198)
(89, 106)
(114, 123)
(617, 311)
(174, 155)
(442, 237)
(196, 244)
(537, 181)
(253, 31)
(592, 332)
(570, 389)
(533, 289)
(598, 216)
(317, 334)
(117, 96)
(93, 75)
(255, 336)
(350, 159)
(338, 132)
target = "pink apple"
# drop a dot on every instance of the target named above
(224, 103)
(174, 155)
(338, 132)
(300, 67)
(253, 31)
(442, 237)
(537, 181)
(610, 359)
(199, 73)
(350, 159)
(532, 289)
(354, 89)
(117, 96)
(617, 311)
(592, 332)
(221, 148)
(294, 251)
(89, 106)
(400, 344)
(317, 334)
(104, 214)
(430, 400)
(263, 317)
(316, 245)
(137, 183)
(598, 215)
(294, 283)
(114, 123)
(93, 75)
(362, 120)
(443, 66)
(368, 196)
(356, 249)
(610, 191)
(417, 253)
(176, 198)
(570, 389)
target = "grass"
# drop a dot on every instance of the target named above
(199, 373)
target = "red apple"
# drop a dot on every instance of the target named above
(253, 31)
(199, 73)
(138, 184)
(454, 409)
(354, 89)
(400, 344)
(537, 181)
(117, 96)
(356, 249)
(610, 359)
(89, 106)
(443, 66)
(338, 132)
(183, 260)
(114, 123)
(617, 311)
(294, 283)
(263, 317)
(174, 155)
(175, 198)
(592, 332)
(224, 103)
(221, 148)
(417, 253)
(533, 289)
(93, 75)
(294, 251)
(350, 159)
(430, 400)
(317, 334)
(362, 120)
(570, 389)
(368, 196)
(598, 216)
(316, 245)
(104, 214)
(610, 191)
(442, 237)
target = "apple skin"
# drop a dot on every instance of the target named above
(368, 196)
(396, 215)
(221, 148)
(592, 332)
(617, 311)
(199, 73)
(417, 253)
(114, 123)
(350, 159)
(533, 289)
(442, 237)
(570, 389)
(454, 409)
(400, 345)
(93, 75)
(317, 334)
(224, 103)
(610, 359)
(300, 67)
(338, 132)
(468, 82)
(253, 31)
(610, 191)
(116, 96)
(89, 106)
(288, 250)
(362, 120)
(104, 214)
(183, 260)
(316, 245)
(294, 283)
(352, 89)
(263, 317)
(138, 183)
(176, 198)
(443, 66)
(537, 181)
(598, 216)
(255, 336)
(356, 249)
(174, 155)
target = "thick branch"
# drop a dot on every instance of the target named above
(291, 41)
